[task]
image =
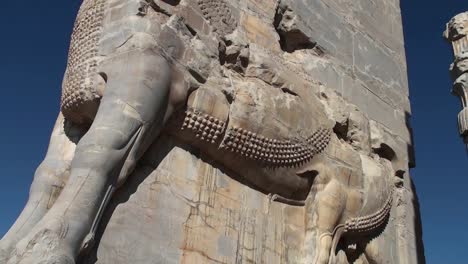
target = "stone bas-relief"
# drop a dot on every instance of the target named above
(198, 132)
(456, 34)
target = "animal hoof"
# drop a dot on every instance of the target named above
(47, 244)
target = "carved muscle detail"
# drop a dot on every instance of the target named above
(373, 222)
(250, 145)
(78, 86)
(257, 121)
(219, 15)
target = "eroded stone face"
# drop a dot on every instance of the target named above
(457, 27)
(270, 146)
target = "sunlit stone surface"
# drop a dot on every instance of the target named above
(216, 131)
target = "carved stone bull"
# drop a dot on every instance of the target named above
(140, 68)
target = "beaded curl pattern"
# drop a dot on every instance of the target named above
(369, 223)
(78, 87)
(268, 151)
(219, 14)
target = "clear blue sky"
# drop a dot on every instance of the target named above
(33, 51)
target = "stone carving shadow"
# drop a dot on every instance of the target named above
(415, 202)
(151, 160)
(353, 255)
(123, 195)
(411, 144)
(418, 226)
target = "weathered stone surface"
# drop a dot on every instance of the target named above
(456, 34)
(216, 131)
(211, 217)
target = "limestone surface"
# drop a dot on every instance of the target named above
(214, 131)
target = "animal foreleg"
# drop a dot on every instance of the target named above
(49, 179)
(327, 209)
(131, 113)
(373, 251)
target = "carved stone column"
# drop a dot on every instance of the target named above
(456, 33)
